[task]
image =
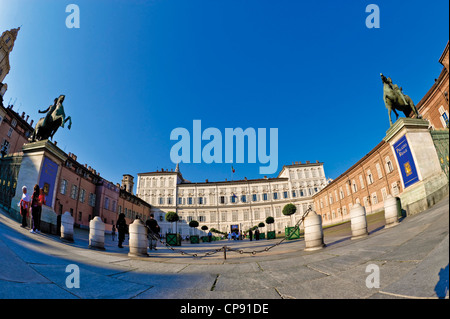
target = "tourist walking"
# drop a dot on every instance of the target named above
(152, 231)
(24, 205)
(121, 228)
(35, 208)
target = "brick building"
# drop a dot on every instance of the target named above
(376, 175)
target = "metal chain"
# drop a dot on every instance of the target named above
(227, 248)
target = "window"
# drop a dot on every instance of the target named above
(13, 122)
(169, 200)
(444, 116)
(200, 200)
(254, 197)
(106, 203)
(180, 200)
(380, 174)
(369, 177)
(63, 189)
(294, 194)
(395, 189)
(389, 166)
(361, 181)
(355, 187)
(222, 199)
(265, 196)
(374, 198)
(82, 195)
(161, 200)
(275, 195)
(285, 194)
(234, 216)
(10, 132)
(189, 200)
(243, 198)
(92, 198)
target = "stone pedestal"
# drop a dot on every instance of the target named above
(138, 239)
(391, 211)
(97, 233)
(424, 183)
(313, 232)
(67, 227)
(358, 221)
(41, 164)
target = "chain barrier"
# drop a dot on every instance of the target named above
(228, 248)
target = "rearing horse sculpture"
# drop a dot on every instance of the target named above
(394, 99)
(47, 126)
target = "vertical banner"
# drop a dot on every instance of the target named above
(47, 180)
(406, 162)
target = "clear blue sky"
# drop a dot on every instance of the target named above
(136, 69)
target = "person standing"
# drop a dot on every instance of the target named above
(250, 234)
(41, 202)
(35, 208)
(121, 228)
(24, 205)
(153, 232)
(257, 234)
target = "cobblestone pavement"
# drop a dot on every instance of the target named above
(412, 259)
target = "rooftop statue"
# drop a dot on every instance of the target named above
(395, 99)
(55, 117)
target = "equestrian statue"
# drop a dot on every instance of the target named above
(395, 99)
(55, 117)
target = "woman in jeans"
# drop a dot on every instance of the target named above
(35, 206)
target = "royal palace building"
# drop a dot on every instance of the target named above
(239, 203)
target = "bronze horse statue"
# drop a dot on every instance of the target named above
(394, 99)
(55, 117)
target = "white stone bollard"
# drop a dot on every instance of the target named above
(391, 211)
(138, 241)
(97, 233)
(358, 221)
(67, 226)
(313, 232)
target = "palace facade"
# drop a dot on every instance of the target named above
(241, 203)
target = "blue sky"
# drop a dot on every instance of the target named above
(135, 70)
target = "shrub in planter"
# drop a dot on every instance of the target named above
(270, 234)
(173, 239)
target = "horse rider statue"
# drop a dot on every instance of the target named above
(395, 99)
(55, 117)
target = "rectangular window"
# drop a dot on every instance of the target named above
(275, 195)
(82, 195)
(222, 199)
(106, 203)
(63, 189)
(189, 200)
(92, 198)
(294, 194)
(243, 198)
(180, 200)
(285, 194)
(265, 196)
(254, 198)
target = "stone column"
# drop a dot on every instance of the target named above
(358, 221)
(138, 239)
(391, 208)
(96, 233)
(67, 226)
(313, 232)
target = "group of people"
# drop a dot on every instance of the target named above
(238, 236)
(32, 205)
(151, 225)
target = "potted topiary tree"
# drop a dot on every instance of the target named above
(194, 238)
(173, 239)
(270, 234)
(205, 238)
(291, 232)
(261, 234)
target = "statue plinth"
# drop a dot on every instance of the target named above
(424, 183)
(41, 164)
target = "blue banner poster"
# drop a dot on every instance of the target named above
(406, 162)
(48, 179)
